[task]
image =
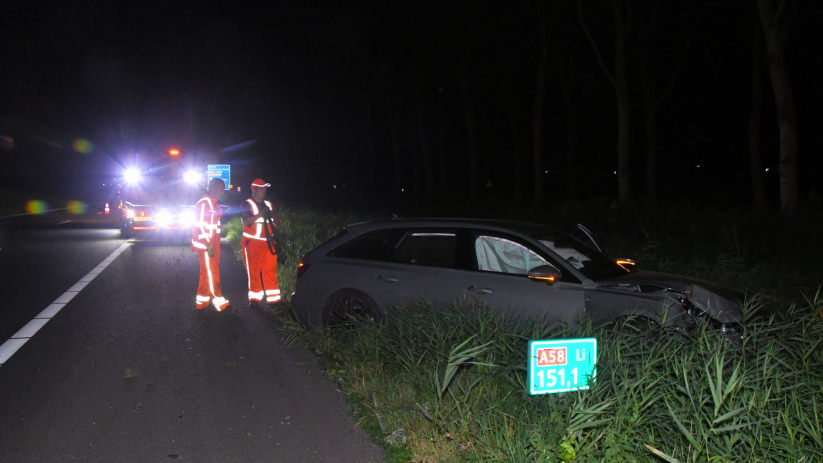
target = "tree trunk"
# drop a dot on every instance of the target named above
(537, 110)
(571, 155)
(620, 81)
(517, 153)
(395, 139)
(623, 106)
(649, 111)
(775, 33)
(571, 140)
(441, 158)
(758, 183)
(428, 171)
(471, 135)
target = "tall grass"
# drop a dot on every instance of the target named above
(449, 384)
(454, 381)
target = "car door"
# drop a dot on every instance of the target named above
(425, 265)
(500, 280)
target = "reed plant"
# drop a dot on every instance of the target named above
(453, 382)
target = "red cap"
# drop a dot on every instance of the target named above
(259, 183)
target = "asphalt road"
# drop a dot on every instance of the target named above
(129, 371)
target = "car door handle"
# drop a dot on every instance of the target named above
(481, 290)
(387, 279)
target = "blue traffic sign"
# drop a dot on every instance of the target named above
(561, 365)
(222, 171)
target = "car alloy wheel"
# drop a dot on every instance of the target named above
(348, 307)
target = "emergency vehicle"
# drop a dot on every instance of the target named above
(157, 193)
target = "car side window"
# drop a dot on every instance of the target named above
(436, 249)
(374, 245)
(495, 254)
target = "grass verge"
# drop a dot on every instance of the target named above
(448, 384)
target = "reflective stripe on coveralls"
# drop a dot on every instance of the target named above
(203, 235)
(261, 269)
(257, 233)
(260, 262)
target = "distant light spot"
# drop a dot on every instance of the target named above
(767, 169)
(82, 146)
(77, 207)
(35, 206)
(6, 142)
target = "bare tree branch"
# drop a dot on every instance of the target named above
(597, 53)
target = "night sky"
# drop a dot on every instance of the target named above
(362, 100)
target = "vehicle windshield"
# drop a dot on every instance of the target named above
(164, 187)
(587, 260)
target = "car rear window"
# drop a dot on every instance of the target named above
(374, 245)
(424, 248)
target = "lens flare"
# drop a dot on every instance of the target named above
(37, 207)
(77, 207)
(82, 146)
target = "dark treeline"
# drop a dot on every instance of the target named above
(527, 102)
(548, 100)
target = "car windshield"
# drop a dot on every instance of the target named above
(590, 262)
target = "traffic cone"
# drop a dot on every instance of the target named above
(107, 209)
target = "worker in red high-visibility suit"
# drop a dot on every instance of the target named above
(205, 240)
(259, 252)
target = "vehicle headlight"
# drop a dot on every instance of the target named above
(130, 213)
(187, 218)
(132, 175)
(191, 177)
(163, 218)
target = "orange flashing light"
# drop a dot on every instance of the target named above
(549, 279)
(174, 152)
(624, 263)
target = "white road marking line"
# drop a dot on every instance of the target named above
(50, 311)
(30, 328)
(78, 286)
(8, 348)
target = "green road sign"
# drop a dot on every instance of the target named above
(561, 365)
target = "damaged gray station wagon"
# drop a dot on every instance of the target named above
(522, 270)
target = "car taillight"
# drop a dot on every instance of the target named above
(301, 269)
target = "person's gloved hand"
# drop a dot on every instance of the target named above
(210, 250)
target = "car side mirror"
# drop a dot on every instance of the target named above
(626, 263)
(546, 273)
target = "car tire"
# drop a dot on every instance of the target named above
(349, 306)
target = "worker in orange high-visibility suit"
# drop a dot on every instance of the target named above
(259, 252)
(205, 240)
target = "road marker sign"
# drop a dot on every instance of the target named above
(561, 365)
(222, 171)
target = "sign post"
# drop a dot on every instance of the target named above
(222, 171)
(561, 365)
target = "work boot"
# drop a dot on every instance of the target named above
(229, 309)
(254, 304)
